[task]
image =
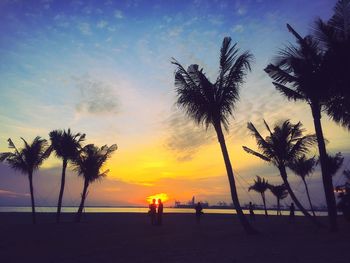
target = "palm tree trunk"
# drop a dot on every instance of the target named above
(326, 177)
(294, 198)
(308, 197)
(247, 227)
(278, 207)
(264, 201)
(63, 180)
(30, 177)
(83, 196)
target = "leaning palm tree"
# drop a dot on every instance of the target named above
(213, 103)
(27, 160)
(88, 165)
(284, 144)
(300, 73)
(260, 185)
(280, 192)
(66, 146)
(304, 167)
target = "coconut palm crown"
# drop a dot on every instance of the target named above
(284, 143)
(207, 102)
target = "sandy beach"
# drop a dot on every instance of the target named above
(123, 237)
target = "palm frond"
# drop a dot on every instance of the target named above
(260, 185)
(288, 92)
(250, 151)
(279, 75)
(209, 103)
(303, 166)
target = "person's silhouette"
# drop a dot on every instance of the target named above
(292, 212)
(251, 211)
(160, 212)
(153, 211)
(199, 212)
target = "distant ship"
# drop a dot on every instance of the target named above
(190, 204)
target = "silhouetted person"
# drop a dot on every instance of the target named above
(160, 212)
(199, 212)
(251, 211)
(292, 212)
(153, 211)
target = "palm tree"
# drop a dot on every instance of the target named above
(300, 73)
(284, 144)
(213, 103)
(260, 185)
(335, 37)
(334, 163)
(66, 146)
(27, 160)
(280, 192)
(303, 167)
(88, 164)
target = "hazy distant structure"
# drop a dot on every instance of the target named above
(190, 204)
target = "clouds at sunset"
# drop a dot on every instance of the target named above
(103, 68)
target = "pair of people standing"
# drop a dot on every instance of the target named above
(156, 214)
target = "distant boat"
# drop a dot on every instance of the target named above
(190, 204)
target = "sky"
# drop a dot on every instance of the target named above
(103, 68)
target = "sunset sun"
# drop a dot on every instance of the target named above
(162, 196)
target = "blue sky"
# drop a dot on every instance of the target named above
(103, 68)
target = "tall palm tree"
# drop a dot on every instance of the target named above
(284, 144)
(334, 35)
(213, 103)
(27, 160)
(66, 146)
(88, 165)
(303, 167)
(300, 73)
(280, 192)
(260, 185)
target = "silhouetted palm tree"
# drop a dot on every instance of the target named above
(283, 145)
(260, 185)
(303, 167)
(280, 192)
(66, 146)
(334, 163)
(335, 37)
(89, 164)
(300, 73)
(213, 103)
(27, 160)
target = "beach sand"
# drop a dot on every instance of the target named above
(123, 237)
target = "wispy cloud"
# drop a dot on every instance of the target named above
(84, 28)
(96, 97)
(175, 31)
(184, 137)
(240, 8)
(102, 24)
(238, 28)
(5, 193)
(118, 14)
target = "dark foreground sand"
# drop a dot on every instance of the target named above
(130, 238)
